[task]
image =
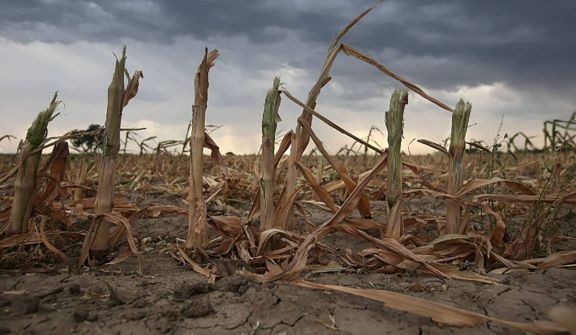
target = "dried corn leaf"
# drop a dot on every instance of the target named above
(132, 88)
(50, 246)
(438, 312)
(478, 183)
(230, 226)
(298, 263)
(557, 259)
(195, 266)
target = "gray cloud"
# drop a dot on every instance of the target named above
(509, 57)
(442, 43)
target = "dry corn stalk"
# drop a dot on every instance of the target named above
(118, 98)
(197, 235)
(302, 138)
(460, 118)
(29, 162)
(270, 118)
(395, 124)
(363, 203)
(81, 180)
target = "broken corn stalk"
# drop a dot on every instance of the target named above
(118, 98)
(197, 234)
(270, 118)
(26, 179)
(394, 124)
(111, 147)
(460, 118)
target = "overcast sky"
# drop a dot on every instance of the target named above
(513, 58)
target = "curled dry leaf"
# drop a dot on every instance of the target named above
(116, 219)
(132, 87)
(230, 226)
(195, 266)
(47, 243)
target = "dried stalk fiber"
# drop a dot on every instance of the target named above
(395, 124)
(460, 119)
(108, 160)
(197, 235)
(29, 162)
(350, 51)
(270, 118)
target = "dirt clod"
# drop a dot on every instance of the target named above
(84, 315)
(136, 315)
(140, 303)
(26, 305)
(184, 290)
(74, 289)
(232, 284)
(197, 309)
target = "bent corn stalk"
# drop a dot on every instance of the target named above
(29, 162)
(301, 138)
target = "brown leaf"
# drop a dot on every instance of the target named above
(119, 220)
(557, 259)
(438, 312)
(478, 183)
(57, 164)
(216, 155)
(227, 225)
(195, 266)
(132, 88)
(435, 146)
(317, 188)
(50, 246)
(350, 51)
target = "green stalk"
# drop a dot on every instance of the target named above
(460, 119)
(270, 118)
(394, 124)
(26, 179)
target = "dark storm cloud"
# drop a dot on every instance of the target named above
(442, 43)
(515, 41)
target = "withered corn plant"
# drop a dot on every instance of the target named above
(460, 118)
(197, 234)
(302, 138)
(118, 97)
(270, 119)
(29, 161)
(395, 124)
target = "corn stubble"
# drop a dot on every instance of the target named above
(341, 184)
(29, 162)
(197, 235)
(460, 119)
(118, 98)
(395, 125)
(270, 119)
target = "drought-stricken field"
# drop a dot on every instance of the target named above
(365, 240)
(43, 293)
